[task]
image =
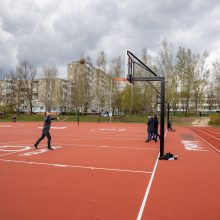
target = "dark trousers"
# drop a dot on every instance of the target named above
(47, 134)
(149, 135)
(155, 134)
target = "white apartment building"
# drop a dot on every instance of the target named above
(54, 95)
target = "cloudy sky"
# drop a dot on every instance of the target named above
(56, 32)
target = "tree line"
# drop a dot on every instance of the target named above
(189, 81)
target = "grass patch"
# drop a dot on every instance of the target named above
(176, 120)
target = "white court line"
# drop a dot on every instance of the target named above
(9, 154)
(104, 146)
(209, 130)
(84, 145)
(78, 145)
(25, 148)
(218, 151)
(147, 191)
(208, 134)
(143, 204)
(76, 166)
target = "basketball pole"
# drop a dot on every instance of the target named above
(162, 107)
(110, 103)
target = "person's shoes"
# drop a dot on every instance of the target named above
(147, 141)
(50, 148)
(35, 145)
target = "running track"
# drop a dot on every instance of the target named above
(209, 135)
(107, 171)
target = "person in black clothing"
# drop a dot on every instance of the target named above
(155, 127)
(170, 126)
(150, 126)
(46, 131)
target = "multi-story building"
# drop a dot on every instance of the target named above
(48, 95)
(52, 95)
(91, 87)
(3, 86)
(206, 105)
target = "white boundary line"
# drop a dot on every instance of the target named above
(105, 146)
(147, 191)
(14, 152)
(206, 142)
(83, 145)
(208, 134)
(213, 131)
(76, 166)
(143, 204)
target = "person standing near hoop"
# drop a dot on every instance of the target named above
(150, 127)
(46, 131)
(155, 128)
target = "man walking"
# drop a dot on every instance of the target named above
(46, 131)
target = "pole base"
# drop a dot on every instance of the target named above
(168, 156)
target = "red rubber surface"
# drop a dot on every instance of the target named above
(102, 171)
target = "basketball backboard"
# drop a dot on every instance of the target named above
(132, 63)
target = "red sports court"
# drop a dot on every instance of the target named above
(107, 171)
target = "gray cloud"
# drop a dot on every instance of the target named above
(57, 32)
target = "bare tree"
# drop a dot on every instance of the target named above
(185, 68)
(27, 72)
(82, 85)
(17, 89)
(101, 95)
(148, 93)
(115, 72)
(101, 61)
(216, 75)
(50, 75)
(166, 67)
(211, 98)
(200, 81)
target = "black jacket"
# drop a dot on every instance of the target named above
(47, 123)
(150, 124)
(155, 125)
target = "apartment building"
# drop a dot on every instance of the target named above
(206, 105)
(91, 87)
(48, 95)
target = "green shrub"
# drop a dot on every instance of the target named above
(215, 119)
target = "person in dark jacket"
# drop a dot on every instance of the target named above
(155, 127)
(150, 126)
(170, 126)
(46, 131)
